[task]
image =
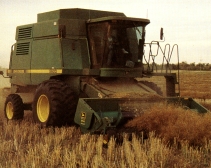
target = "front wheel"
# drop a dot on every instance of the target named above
(50, 106)
(13, 108)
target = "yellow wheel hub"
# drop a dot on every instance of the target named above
(9, 110)
(43, 108)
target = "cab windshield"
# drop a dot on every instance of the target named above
(115, 44)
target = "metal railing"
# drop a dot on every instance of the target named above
(166, 54)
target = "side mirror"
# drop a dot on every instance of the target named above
(161, 33)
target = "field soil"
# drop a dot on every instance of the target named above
(175, 137)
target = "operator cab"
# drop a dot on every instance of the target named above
(116, 42)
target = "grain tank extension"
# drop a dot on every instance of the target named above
(86, 67)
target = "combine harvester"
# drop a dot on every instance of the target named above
(88, 67)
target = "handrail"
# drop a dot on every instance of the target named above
(167, 56)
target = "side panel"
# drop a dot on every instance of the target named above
(74, 28)
(44, 29)
(20, 63)
(71, 28)
(46, 56)
(75, 53)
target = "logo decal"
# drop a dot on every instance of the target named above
(83, 118)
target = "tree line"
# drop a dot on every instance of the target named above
(185, 66)
(192, 66)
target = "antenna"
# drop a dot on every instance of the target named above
(89, 14)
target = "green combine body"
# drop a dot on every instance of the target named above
(82, 66)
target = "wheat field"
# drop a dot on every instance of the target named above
(165, 136)
(195, 84)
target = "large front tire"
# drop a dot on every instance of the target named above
(14, 109)
(50, 106)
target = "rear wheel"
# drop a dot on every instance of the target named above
(52, 103)
(13, 108)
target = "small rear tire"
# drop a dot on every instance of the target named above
(14, 108)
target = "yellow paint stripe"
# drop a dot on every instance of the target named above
(9, 71)
(40, 71)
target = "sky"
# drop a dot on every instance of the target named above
(186, 23)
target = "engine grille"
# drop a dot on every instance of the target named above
(22, 48)
(24, 33)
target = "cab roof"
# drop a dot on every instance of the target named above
(121, 19)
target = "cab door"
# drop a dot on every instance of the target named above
(97, 33)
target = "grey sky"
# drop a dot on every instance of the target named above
(185, 22)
